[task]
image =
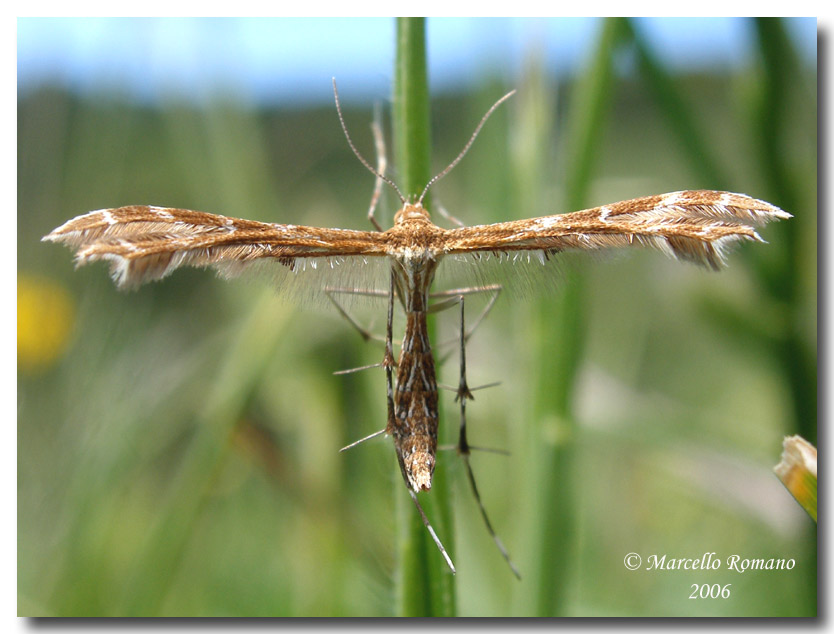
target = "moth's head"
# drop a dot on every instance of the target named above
(411, 212)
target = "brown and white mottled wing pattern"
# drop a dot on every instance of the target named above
(696, 226)
(144, 243)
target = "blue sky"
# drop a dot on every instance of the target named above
(291, 60)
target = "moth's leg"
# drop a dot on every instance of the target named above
(388, 362)
(452, 297)
(434, 536)
(361, 440)
(358, 369)
(381, 165)
(464, 392)
(331, 293)
(464, 448)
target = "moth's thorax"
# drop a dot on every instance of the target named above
(414, 240)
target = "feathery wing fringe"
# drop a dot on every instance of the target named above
(144, 243)
(695, 226)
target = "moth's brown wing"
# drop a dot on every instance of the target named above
(144, 243)
(696, 226)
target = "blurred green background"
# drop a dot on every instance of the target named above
(178, 445)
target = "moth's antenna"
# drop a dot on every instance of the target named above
(356, 152)
(465, 147)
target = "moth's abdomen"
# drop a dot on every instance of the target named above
(417, 458)
(414, 426)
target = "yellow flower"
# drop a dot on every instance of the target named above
(45, 319)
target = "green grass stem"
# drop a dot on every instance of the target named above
(682, 124)
(557, 332)
(425, 586)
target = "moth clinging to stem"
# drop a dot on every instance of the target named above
(145, 243)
